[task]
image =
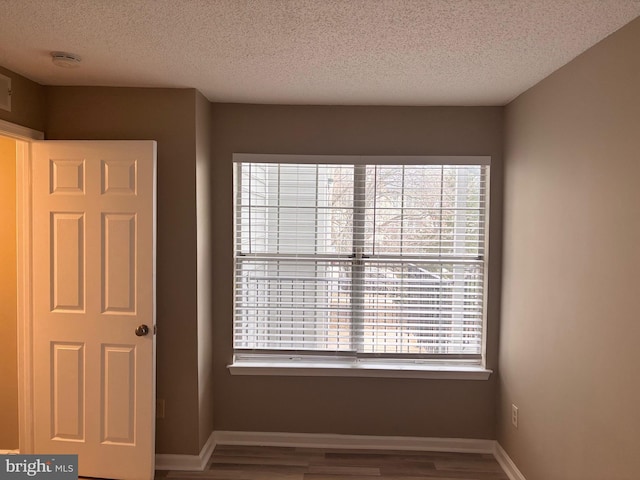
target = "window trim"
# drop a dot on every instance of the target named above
(295, 365)
(310, 366)
(363, 159)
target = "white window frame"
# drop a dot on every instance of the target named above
(291, 364)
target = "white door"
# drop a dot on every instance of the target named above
(93, 286)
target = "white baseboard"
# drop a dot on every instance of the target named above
(369, 442)
(507, 464)
(188, 462)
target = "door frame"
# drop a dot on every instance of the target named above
(24, 136)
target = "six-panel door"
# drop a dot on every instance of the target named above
(94, 284)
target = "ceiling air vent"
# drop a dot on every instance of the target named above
(5, 93)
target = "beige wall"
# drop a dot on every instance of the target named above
(27, 109)
(570, 352)
(168, 116)
(27, 102)
(204, 267)
(8, 302)
(372, 406)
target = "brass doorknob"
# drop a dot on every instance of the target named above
(142, 330)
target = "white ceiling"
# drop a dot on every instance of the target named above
(382, 52)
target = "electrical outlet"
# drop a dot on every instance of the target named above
(514, 415)
(159, 408)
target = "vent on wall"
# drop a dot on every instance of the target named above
(5, 93)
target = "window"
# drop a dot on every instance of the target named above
(351, 260)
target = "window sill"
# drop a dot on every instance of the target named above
(356, 369)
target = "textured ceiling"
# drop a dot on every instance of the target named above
(383, 52)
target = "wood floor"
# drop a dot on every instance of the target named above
(283, 463)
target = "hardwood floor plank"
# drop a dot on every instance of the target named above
(261, 468)
(344, 470)
(320, 476)
(362, 459)
(468, 466)
(417, 469)
(236, 475)
(275, 460)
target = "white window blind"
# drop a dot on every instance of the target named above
(366, 260)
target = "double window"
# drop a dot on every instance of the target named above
(360, 258)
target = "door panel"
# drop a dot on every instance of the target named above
(67, 385)
(119, 263)
(118, 394)
(67, 176)
(119, 177)
(93, 284)
(67, 261)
